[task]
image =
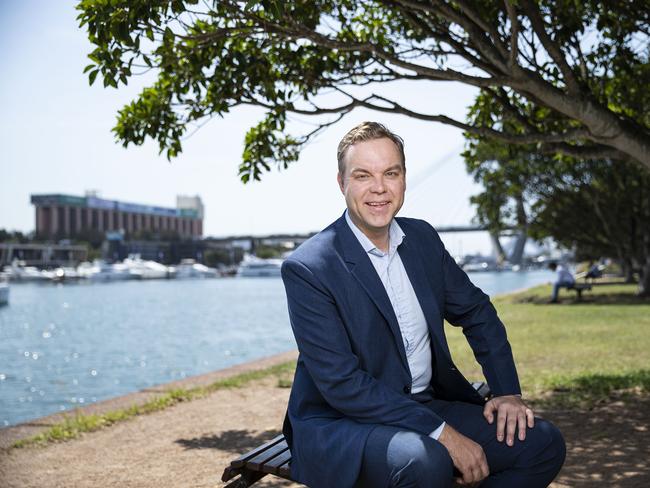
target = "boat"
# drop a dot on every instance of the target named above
(65, 273)
(145, 270)
(100, 270)
(189, 268)
(19, 271)
(479, 266)
(252, 266)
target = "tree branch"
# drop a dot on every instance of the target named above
(596, 151)
(476, 18)
(437, 7)
(514, 35)
(550, 46)
(529, 138)
(299, 31)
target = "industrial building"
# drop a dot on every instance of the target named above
(65, 216)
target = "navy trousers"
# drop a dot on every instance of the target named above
(398, 458)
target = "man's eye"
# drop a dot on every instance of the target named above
(361, 177)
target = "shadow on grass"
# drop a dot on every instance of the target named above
(233, 441)
(588, 390)
(588, 298)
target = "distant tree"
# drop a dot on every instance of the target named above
(266, 252)
(583, 64)
(223, 256)
(598, 208)
(601, 210)
(14, 236)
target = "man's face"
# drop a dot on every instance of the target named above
(373, 185)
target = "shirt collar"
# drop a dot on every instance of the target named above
(395, 234)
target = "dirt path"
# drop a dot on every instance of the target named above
(189, 444)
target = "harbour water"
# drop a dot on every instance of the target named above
(68, 345)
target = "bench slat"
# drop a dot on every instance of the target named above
(274, 465)
(580, 286)
(241, 460)
(285, 470)
(264, 458)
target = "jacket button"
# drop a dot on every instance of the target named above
(407, 389)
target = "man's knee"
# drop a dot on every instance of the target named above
(549, 449)
(419, 461)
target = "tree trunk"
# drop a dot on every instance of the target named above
(644, 269)
(644, 281)
(497, 248)
(517, 254)
(627, 270)
(605, 126)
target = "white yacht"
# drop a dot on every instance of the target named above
(252, 266)
(18, 271)
(100, 270)
(145, 270)
(189, 268)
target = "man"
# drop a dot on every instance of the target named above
(376, 399)
(563, 279)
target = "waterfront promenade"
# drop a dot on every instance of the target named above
(605, 419)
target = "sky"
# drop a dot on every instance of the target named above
(55, 137)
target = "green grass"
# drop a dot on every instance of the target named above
(587, 390)
(585, 350)
(73, 427)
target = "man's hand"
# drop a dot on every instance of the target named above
(468, 456)
(512, 415)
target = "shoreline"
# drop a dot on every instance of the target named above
(10, 434)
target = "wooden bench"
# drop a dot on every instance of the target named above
(274, 457)
(579, 288)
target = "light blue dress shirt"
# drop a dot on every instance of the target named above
(411, 320)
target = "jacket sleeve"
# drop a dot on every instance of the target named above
(325, 349)
(468, 307)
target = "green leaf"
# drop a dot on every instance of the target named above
(92, 76)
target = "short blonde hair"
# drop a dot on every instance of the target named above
(367, 131)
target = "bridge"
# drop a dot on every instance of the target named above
(417, 204)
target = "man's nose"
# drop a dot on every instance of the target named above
(378, 185)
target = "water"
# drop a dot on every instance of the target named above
(64, 346)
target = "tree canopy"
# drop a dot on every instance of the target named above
(582, 63)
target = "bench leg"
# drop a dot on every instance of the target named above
(579, 292)
(246, 479)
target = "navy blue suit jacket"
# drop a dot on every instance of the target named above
(352, 372)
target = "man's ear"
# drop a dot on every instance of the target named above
(339, 178)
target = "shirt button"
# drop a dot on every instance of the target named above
(407, 389)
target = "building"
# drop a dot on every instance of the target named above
(66, 216)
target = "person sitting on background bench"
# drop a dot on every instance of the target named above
(594, 270)
(564, 278)
(376, 400)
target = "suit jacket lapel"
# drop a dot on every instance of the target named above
(418, 278)
(362, 269)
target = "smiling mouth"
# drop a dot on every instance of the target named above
(377, 204)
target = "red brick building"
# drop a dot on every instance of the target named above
(66, 216)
